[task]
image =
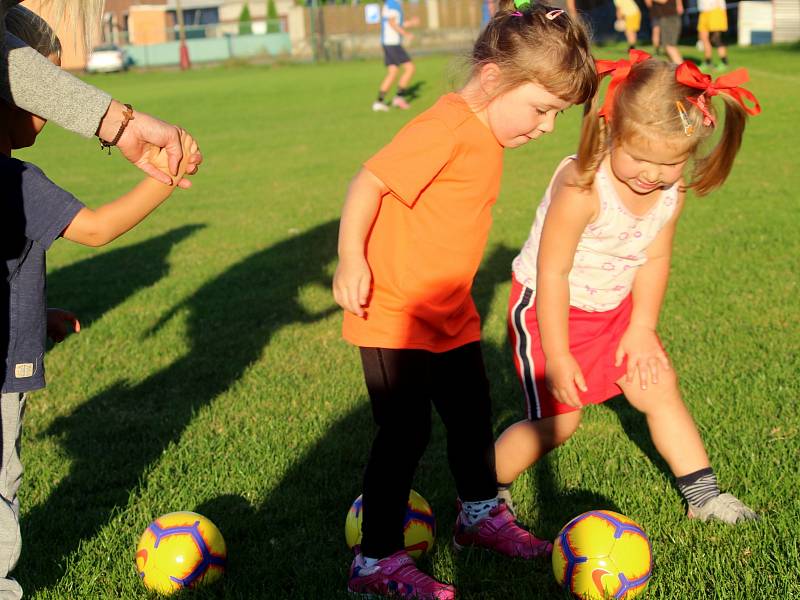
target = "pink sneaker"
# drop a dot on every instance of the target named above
(400, 102)
(501, 533)
(398, 577)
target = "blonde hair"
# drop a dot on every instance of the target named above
(645, 107)
(533, 45)
(33, 30)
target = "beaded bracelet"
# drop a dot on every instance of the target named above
(127, 116)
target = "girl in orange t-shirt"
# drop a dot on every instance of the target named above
(413, 230)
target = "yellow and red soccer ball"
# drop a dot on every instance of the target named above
(602, 554)
(180, 550)
(419, 527)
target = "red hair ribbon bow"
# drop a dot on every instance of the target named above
(688, 74)
(619, 71)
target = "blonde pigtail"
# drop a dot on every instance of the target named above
(712, 170)
(593, 144)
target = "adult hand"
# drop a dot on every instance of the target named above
(159, 158)
(144, 133)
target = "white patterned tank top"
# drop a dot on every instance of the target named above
(609, 251)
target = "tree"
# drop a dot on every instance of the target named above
(245, 25)
(273, 25)
(273, 22)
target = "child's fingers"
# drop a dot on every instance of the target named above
(155, 172)
(664, 360)
(72, 319)
(643, 374)
(652, 365)
(630, 370)
(354, 306)
(619, 356)
(581, 382)
(569, 395)
(363, 291)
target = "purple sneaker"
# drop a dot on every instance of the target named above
(396, 576)
(501, 533)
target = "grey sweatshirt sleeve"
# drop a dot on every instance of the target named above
(35, 84)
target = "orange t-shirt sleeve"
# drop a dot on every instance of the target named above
(415, 156)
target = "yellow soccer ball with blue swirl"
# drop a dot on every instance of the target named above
(419, 527)
(602, 554)
(180, 550)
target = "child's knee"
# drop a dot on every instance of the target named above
(656, 395)
(558, 429)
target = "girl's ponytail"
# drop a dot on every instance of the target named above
(593, 144)
(712, 170)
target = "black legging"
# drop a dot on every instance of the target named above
(402, 384)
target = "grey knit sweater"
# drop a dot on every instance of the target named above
(30, 81)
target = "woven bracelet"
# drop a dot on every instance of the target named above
(127, 116)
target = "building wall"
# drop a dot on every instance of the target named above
(148, 25)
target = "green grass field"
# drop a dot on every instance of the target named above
(211, 376)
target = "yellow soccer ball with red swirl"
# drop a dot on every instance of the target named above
(180, 550)
(602, 554)
(419, 527)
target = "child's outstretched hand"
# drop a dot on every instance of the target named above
(351, 284)
(60, 323)
(564, 378)
(645, 354)
(159, 158)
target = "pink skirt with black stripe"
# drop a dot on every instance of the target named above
(593, 340)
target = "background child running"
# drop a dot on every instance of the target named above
(590, 280)
(711, 25)
(631, 17)
(35, 213)
(413, 230)
(394, 29)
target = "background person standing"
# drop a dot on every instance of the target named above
(668, 14)
(394, 27)
(712, 24)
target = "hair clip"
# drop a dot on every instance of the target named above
(521, 5)
(516, 13)
(688, 128)
(553, 14)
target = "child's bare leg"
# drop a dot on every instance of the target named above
(408, 73)
(388, 80)
(677, 439)
(672, 428)
(705, 40)
(525, 442)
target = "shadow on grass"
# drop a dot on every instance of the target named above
(634, 424)
(113, 437)
(292, 544)
(414, 90)
(95, 285)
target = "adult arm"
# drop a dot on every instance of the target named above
(35, 84)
